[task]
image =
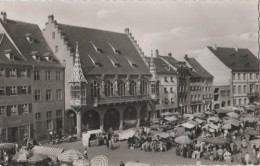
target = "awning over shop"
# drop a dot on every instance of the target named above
(188, 125)
(47, 151)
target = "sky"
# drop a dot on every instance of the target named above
(179, 27)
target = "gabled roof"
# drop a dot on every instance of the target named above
(241, 59)
(175, 63)
(18, 31)
(161, 66)
(198, 70)
(7, 46)
(126, 52)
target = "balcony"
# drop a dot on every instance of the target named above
(252, 94)
(78, 102)
(119, 99)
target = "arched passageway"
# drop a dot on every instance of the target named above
(130, 117)
(90, 120)
(111, 119)
(71, 121)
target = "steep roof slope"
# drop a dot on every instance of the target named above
(162, 67)
(106, 49)
(199, 71)
(241, 59)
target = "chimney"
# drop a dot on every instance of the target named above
(215, 47)
(186, 56)
(127, 31)
(236, 49)
(3, 16)
(50, 18)
(170, 54)
(156, 53)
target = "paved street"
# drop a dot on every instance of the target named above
(122, 153)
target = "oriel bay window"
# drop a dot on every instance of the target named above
(143, 88)
(132, 88)
(121, 88)
(95, 89)
(78, 92)
(108, 88)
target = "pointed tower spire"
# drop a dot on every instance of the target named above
(152, 64)
(77, 75)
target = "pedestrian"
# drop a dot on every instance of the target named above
(247, 158)
(220, 154)
(244, 143)
(86, 153)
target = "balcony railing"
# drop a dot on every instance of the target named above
(77, 102)
(253, 94)
(119, 99)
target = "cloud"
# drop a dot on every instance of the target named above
(179, 31)
(104, 14)
(249, 36)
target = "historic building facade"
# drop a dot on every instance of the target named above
(167, 82)
(235, 72)
(183, 82)
(113, 92)
(201, 86)
(31, 82)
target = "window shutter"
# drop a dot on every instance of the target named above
(8, 90)
(30, 108)
(7, 72)
(28, 72)
(29, 89)
(18, 72)
(20, 109)
(8, 110)
(19, 90)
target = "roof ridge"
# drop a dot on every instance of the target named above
(2, 37)
(76, 26)
(21, 22)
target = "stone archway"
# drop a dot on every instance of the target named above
(71, 117)
(90, 120)
(111, 119)
(130, 117)
(143, 114)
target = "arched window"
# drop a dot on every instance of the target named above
(223, 104)
(229, 103)
(132, 88)
(239, 89)
(121, 88)
(95, 89)
(108, 88)
(234, 89)
(143, 88)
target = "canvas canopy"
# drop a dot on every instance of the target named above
(86, 136)
(47, 151)
(125, 134)
(188, 125)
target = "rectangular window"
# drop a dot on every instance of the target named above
(244, 76)
(25, 108)
(24, 73)
(2, 111)
(256, 76)
(58, 94)
(37, 95)
(165, 90)
(36, 75)
(171, 90)
(2, 90)
(38, 115)
(53, 35)
(56, 49)
(48, 114)
(251, 76)
(49, 124)
(12, 73)
(165, 79)
(13, 90)
(172, 100)
(58, 75)
(234, 76)
(2, 72)
(24, 90)
(238, 76)
(47, 75)
(14, 110)
(58, 113)
(153, 88)
(48, 94)
(172, 79)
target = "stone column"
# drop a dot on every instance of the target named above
(101, 121)
(121, 119)
(138, 119)
(78, 124)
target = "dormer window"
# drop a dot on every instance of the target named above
(114, 48)
(233, 56)
(29, 37)
(98, 50)
(48, 57)
(96, 64)
(35, 56)
(9, 54)
(131, 62)
(114, 61)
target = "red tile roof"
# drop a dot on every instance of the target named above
(103, 40)
(241, 59)
(198, 70)
(18, 31)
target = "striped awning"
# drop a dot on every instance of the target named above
(47, 151)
